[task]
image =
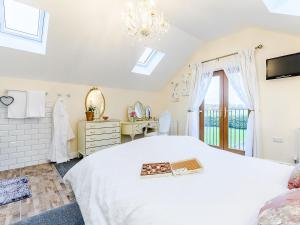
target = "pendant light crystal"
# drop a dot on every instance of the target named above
(143, 21)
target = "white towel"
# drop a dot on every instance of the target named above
(17, 110)
(36, 104)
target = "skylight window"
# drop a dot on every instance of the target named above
(23, 27)
(148, 61)
(146, 56)
(21, 18)
(288, 7)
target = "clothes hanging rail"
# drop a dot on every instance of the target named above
(260, 46)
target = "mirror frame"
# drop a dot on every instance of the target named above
(86, 98)
(143, 110)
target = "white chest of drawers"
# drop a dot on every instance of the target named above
(98, 135)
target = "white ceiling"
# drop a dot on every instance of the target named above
(210, 19)
(87, 43)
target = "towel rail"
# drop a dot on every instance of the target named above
(46, 93)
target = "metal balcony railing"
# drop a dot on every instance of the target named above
(237, 126)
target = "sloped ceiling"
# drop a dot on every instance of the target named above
(87, 43)
(210, 19)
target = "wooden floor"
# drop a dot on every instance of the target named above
(48, 192)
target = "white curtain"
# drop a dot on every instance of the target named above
(203, 74)
(232, 69)
(241, 72)
(250, 83)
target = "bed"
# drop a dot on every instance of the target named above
(229, 191)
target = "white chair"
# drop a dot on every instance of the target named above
(164, 125)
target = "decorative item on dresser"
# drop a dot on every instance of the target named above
(90, 113)
(94, 136)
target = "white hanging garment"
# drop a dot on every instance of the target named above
(62, 134)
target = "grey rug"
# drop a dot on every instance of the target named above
(12, 190)
(63, 168)
(66, 215)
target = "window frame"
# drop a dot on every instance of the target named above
(150, 63)
(21, 34)
(148, 58)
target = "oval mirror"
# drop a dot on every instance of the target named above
(148, 112)
(139, 110)
(95, 100)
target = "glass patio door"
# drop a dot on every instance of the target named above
(223, 117)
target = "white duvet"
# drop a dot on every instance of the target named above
(229, 191)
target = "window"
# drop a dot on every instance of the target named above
(23, 27)
(148, 61)
(289, 7)
(148, 53)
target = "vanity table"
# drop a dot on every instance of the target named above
(138, 127)
(140, 121)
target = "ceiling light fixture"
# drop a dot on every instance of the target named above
(143, 21)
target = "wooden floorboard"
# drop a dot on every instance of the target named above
(48, 192)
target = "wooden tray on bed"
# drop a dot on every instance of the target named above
(187, 166)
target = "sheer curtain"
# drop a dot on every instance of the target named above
(203, 74)
(241, 73)
(250, 84)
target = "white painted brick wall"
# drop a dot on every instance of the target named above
(24, 142)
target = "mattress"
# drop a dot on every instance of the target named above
(230, 190)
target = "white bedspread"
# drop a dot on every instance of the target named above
(230, 190)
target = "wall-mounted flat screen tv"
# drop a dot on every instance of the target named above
(284, 66)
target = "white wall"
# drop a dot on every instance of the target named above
(280, 99)
(117, 101)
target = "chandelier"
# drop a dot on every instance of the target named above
(143, 21)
